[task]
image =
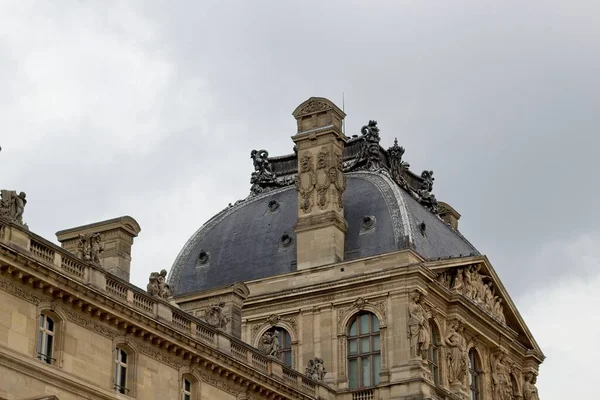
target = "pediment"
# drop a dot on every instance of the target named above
(478, 283)
(315, 105)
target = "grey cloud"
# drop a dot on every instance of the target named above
(500, 101)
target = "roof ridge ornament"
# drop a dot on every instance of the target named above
(398, 168)
(263, 179)
(424, 192)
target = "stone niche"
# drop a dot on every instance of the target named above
(113, 252)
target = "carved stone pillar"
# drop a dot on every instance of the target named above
(320, 228)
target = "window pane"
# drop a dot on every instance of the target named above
(365, 345)
(49, 349)
(353, 373)
(376, 343)
(376, 368)
(187, 397)
(375, 324)
(364, 323)
(50, 324)
(42, 318)
(123, 356)
(123, 376)
(187, 385)
(40, 344)
(287, 358)
(352, 331)
(352, 347)
(366, 372)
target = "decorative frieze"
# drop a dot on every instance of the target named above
(475, 286)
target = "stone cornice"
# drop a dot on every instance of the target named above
(52, 375)
(194, 341)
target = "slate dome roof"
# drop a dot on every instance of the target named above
(385, 209)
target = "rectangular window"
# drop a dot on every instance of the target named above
(45, 339)
(121, 370)
(186, 390)
(353, 373)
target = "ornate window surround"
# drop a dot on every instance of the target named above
(346, 315)
(435, 326)
(60, 327)
(282, 324)
(193, 378)
(132, 351)
(479, 370)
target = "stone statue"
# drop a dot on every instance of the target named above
(158, 286)
(371, 140)
(263, 177)
(215, 316)
(12, 205)
(90, 246)
(470, 282)
(269, 344)
(398, 167)
(275, 347)
(418, 326)
(96, 247)
(85, 247)
(316, 369)
(501, 384)
(457, 353)
(425, 196)
(530, 392)
(152, 287)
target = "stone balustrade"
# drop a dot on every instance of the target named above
(64, 262)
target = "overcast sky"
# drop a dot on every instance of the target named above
(151, 109)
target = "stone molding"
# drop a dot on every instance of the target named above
(88, 305)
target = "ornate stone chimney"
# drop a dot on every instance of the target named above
(448, 214)
(321, 228)
(107, 243)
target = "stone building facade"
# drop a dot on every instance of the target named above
(340, 276)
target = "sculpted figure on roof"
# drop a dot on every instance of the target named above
(425, 196)
(12, 205)
(398, 167)
(215, 316)
(158, 286)
(90, 246)
(263, 174)
(316, 369)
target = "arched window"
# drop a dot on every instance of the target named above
(433, 356)
(285, 344)
(46, 337)
(474, 377)
(189, 387)
(364, 351)
(121, 366)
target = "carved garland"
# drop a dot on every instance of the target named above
(323, 181)
(306, 182)
(314, 106)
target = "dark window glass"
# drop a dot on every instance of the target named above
(364, 351)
